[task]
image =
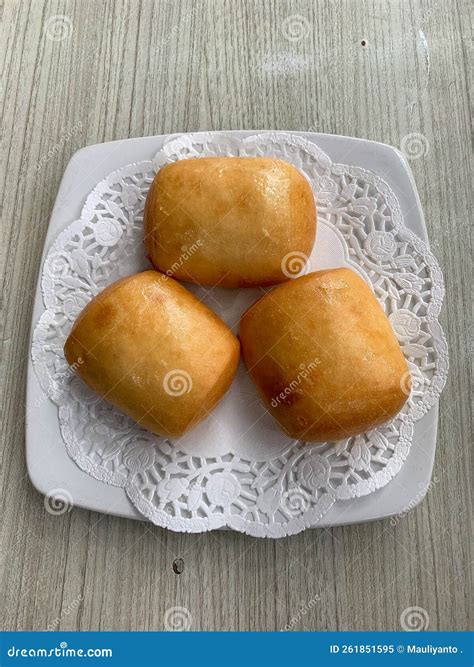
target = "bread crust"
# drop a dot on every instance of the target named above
(152, 349)
(324, 356)
(229, 221)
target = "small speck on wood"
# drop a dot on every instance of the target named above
(178, 565)
(363, 42)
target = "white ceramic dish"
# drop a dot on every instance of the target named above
(49, 465)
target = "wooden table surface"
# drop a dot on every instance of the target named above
(83, 72)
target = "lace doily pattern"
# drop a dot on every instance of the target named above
(237, 469)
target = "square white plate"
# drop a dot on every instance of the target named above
(49, 465)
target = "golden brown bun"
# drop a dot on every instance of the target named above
(324, 357)
(229, 221)
(152, 349)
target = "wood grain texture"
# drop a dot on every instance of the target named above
(126, 69)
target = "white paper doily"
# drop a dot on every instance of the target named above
(237, 468)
